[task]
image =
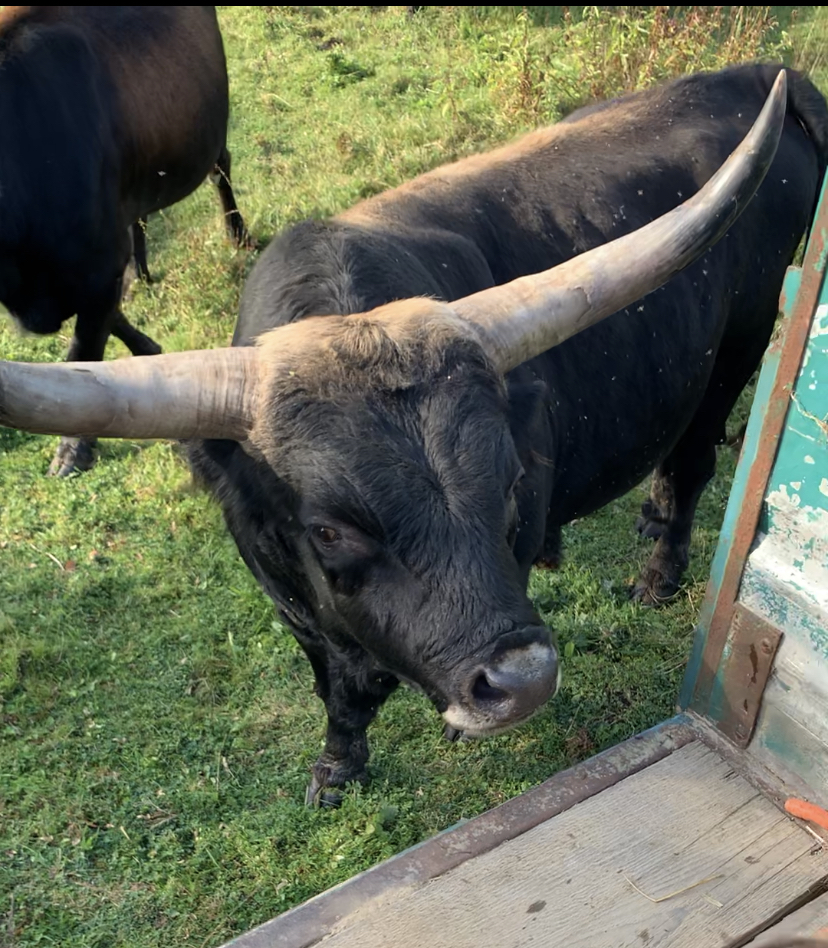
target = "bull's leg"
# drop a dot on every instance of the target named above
(679, 481)
(220, 177)
(139, 249)
(137, 342)
(655, 511)
(552, 553)
(352, 700)
(678, 484)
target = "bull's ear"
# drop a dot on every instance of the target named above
(526, 401)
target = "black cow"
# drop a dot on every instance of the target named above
(391, 476)
(107, 114)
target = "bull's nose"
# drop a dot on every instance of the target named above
(516, 682)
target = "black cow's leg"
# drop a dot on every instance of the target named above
(139, 249)
(352, 700)
(220, 177)
(88, 344)
(137, 342)
(679, 481)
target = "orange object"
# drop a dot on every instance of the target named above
(807, 811)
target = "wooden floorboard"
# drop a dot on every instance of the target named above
(807, 921)
(571, 881)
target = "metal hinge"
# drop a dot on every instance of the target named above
(752, 642)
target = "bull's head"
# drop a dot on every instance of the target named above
(398, 474)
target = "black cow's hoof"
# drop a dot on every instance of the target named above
(327, 779)
(451, 733)
(317, 795)
(653, 588)
(73, 454)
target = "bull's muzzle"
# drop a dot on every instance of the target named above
(508, 688)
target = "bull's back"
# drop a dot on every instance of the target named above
(642, 374)
(555, 193)
(605, 171)
(168, 87)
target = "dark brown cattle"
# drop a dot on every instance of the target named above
(107, 114)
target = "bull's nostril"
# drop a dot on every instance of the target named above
(483, 690)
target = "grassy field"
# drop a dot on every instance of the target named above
(156, 723)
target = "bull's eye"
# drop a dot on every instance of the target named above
(326, 537)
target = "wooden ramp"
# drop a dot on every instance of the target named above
(683, 853)
(570, 880)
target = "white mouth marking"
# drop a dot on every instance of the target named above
(480, 725)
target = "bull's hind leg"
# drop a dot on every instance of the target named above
(677, 484)
(220, 177)
(138, 232)
(655, 511)
(667, 516)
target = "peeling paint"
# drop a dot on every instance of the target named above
(782, 575)
(795, 547)
(819, 328)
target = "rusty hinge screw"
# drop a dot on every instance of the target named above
(767, 646)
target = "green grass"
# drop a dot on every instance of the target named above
(156, 724)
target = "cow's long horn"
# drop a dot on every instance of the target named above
(213, 393)
(208, 394)
(532, 314)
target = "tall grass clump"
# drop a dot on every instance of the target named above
(597, 53)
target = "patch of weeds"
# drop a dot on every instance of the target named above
(346, 72)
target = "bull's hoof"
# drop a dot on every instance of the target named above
(327, 781)
(317, 796)
(451, 733)
(653, 588)
(73, 454)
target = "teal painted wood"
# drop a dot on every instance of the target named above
(750, 450)
(786, 577)
(784, 574)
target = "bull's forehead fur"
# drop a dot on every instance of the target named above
(388, 349)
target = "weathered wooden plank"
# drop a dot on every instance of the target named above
(567, 881)
(806, 921)
(311, 922)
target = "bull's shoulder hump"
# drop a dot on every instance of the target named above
(581, 135)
